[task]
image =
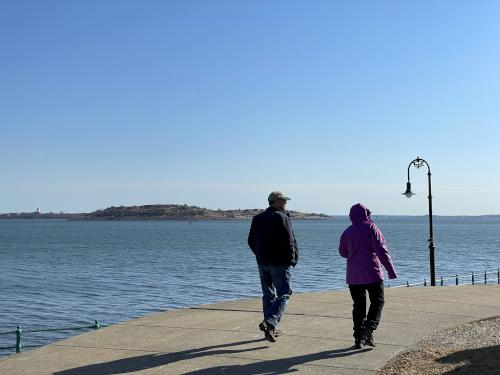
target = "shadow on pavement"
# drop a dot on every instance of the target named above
(484, 361)
(279, 366)
(149, 361)
(144, 362)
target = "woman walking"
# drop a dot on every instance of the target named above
(364, 246)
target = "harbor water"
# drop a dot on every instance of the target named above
(59, 273)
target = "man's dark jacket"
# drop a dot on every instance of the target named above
(272, 240)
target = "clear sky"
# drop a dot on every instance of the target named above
(217, 103)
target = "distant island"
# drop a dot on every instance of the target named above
(192, 213)
(157, 212)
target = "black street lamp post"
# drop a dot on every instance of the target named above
(418, 163)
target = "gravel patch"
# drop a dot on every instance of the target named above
(470, 348)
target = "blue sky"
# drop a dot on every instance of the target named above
(217, 103)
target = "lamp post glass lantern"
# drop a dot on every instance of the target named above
(408, 193)
(418, 163)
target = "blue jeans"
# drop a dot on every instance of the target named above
(276, 290)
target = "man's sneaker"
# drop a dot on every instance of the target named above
(263, 326)
(268, 331)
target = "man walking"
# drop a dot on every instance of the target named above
(272, 240)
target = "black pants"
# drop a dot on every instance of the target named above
(359, 317)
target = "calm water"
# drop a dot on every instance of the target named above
(61, 273)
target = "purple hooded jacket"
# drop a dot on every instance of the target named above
(365, 249)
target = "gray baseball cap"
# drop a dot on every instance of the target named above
(275, 195)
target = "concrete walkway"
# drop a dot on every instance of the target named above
(224, 338)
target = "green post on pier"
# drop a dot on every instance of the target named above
(18, 339)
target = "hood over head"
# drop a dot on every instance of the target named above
(359, 214)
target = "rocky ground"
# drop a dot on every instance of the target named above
(471, 348)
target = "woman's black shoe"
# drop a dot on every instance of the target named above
(368, 338)
(358, 344)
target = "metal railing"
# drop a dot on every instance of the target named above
(18, 332)
(473, 278)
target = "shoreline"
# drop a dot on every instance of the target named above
(159, 219)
